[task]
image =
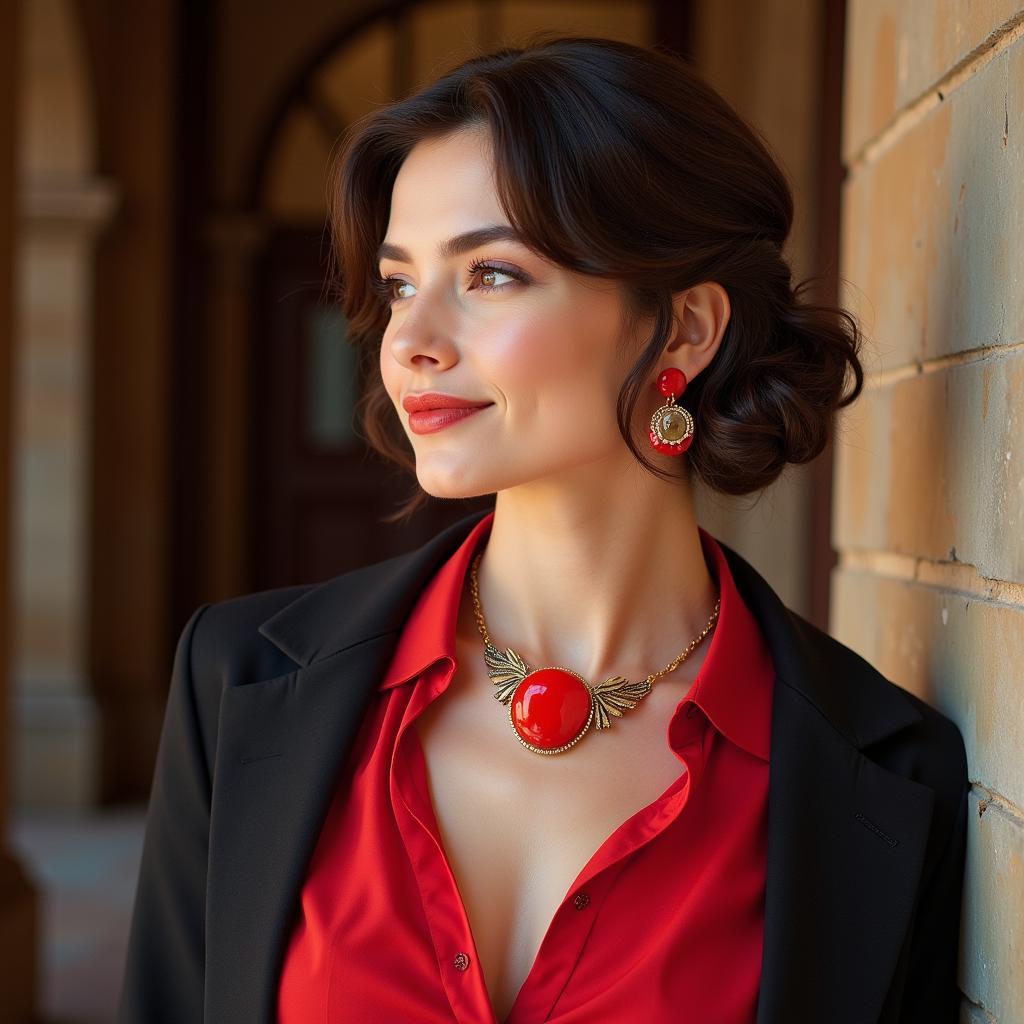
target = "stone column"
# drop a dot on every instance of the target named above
(19, 903)
(56, 750)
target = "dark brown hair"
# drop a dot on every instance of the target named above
(619, 161)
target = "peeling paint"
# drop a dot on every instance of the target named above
(959, 204)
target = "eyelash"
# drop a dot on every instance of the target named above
(385, 285)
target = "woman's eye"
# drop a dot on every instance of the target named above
(385, 286)
(488, 274)
(397, 283)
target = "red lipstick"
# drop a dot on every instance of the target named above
(433, 411)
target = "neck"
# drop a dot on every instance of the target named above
(608, 581)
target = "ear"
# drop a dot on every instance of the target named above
(702, 314)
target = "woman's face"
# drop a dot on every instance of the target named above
(541, 344)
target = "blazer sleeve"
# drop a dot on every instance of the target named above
(165, 962)
(931, 994)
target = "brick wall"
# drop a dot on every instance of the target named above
(928, 513)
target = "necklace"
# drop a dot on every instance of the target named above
(551, 709)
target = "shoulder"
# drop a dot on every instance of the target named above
(268, 633)
(866, 709)
(934, 733)
(927, 748)
(226, 644)
(220, 646)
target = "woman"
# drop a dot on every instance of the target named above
(573, 759)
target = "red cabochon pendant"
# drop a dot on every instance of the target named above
(551, 709)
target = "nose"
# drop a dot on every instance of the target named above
(418, 352)
(419, 341)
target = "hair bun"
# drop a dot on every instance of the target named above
(770, 395)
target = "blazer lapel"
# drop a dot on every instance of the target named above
(846, 842)
(846, 837)
(281, 744)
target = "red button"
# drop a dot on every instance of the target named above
(461, 961)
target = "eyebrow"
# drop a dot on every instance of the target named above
(458, 244)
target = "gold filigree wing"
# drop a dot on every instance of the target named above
(506, 669)
(614, 696)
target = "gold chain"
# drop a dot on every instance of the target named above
(482, 626)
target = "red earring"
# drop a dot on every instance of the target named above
(671, 430)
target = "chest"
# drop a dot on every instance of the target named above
(518, 827)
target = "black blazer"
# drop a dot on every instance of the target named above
(867, 807)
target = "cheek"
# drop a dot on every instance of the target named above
(558, 367)
(543, 353)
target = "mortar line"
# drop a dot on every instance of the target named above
(994, 45)
(878, 379)
(965, 579)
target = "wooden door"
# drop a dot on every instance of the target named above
(319, 492)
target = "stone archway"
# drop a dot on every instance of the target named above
(289, 496)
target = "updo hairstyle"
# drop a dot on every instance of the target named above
(621, 162)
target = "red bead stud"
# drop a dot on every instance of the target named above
(672, 382)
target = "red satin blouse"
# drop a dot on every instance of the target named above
(663, 923)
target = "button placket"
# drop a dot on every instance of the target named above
(451, 935)
(562, 947)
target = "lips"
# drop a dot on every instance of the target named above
(434, 400)
(428, 421)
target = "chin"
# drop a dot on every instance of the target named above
(453, 484)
